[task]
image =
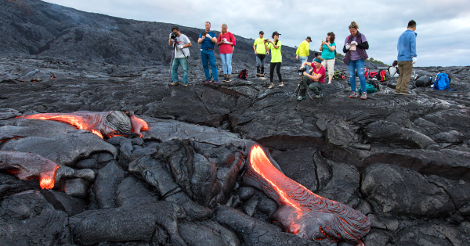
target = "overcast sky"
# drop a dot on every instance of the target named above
(443, 27)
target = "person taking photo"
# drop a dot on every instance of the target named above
(313, 79)
(328, 49)
(207, 40)
(226, 42)
(276, 59)
(181, 45)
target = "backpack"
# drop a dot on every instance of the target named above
(366, 73)
(373, 74)
(338, 75)
(442, 82)
(423, 81)
(375, 83)
(382, 75)
(369, 88)
(243, 74)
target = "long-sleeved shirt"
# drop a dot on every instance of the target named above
(303, 49)
(406, 46)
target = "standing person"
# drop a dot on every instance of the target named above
(276, 59)
(328, 54)
(207, 40)
(181, 47)
(406, 57)
(260, 51)
(303, 51)
(226, 42)
(355, 46)
(313, 80)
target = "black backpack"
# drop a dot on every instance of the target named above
(382, 75)
(375, 83)
(243, 74)
(423, 81)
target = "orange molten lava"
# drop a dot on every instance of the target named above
(263, 167)
(79, 122)
(47, 178)
(301, 211)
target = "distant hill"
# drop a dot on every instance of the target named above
(37, 28)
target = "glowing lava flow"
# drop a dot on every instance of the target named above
(98, 123)
(26, 166)
(301, 211)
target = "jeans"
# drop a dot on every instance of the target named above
(405, 67)
(174, 69)
(303, 59)
(352, 66)
(207, 56)
(226, 63)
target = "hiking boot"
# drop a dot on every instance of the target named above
(258, 75)
(208, 81)
(227, 80)
(270, 85)
(261, 75)
(175, 83)
(364, 95)
(299, 98)
(319, 95)
(281, 84)
(353, 95)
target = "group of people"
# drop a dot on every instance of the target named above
(355, 46)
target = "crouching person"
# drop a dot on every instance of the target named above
(314, 79)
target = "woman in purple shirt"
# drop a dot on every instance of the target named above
(355, 47)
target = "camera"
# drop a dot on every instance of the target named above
(302, 70)
(174, 35)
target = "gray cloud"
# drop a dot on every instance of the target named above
(443, 26)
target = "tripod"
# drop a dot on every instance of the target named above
(297, 90)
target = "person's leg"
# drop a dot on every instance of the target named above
(271, 71)
(407, 70)
(360, 72)
(185, 66)
(215, 73)
(315, 87)
(174, 70)
(258, 64)
(223, 57)
(331, 69)
(204, 61)
(278, 71)
(262, 64)
(302, 59)
(229, 63)
(400, 77)
(303, 87)
(352, 75)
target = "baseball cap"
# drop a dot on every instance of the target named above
(275, 33)
(308, 37)
(261, 32)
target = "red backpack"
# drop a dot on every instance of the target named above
(243, 74)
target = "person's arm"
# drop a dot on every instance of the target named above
(201, 38)
(170, 42)
(331, 47)
(413, 45)
(297, 53)
(275, 46)
(219, 40)
(232, 39)
(306, 63)
(321, 46)
(363, 46)
(214, 39)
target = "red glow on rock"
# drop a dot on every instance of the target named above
(47, 177)
(138, 124)
(81, 122)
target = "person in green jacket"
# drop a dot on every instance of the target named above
(276, 59)
(303, 50)
(260, 51)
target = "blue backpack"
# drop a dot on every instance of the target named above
(442, 82)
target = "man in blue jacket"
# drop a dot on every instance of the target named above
(406, 57)
(207, 39)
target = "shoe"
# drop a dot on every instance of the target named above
(319, 96)
(364, 96)
(228, 80)
(208, 81)
(258, 75)
(281, 84)
(185, 85)
(216, 81)
(175, 83)
(353, 95)
(405, 93)
(261, 75)
(329, 82)
(271, 85)
(300, 98)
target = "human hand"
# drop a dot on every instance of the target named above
(180, 47)
(208, 36)
(297, 57)
(348, 46)
(306, 74)
(169, 36)
(354, 42)
(415, 59)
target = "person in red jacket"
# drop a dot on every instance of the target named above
(226, 42)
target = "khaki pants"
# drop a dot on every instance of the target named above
(405, 67)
